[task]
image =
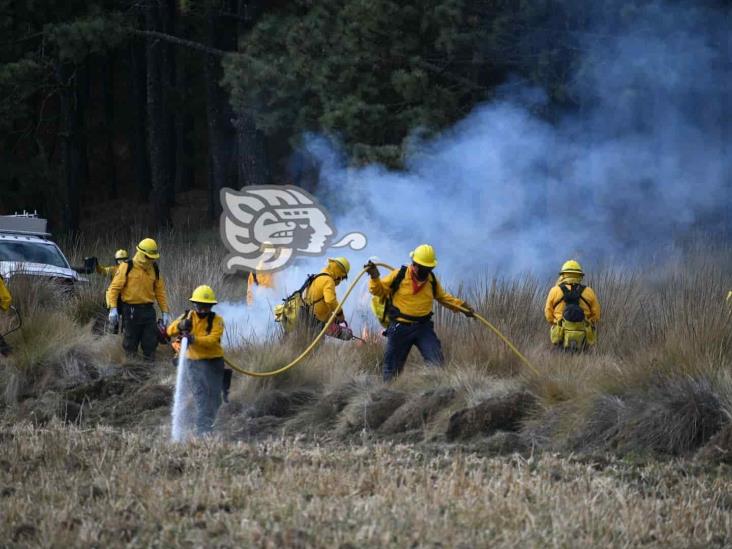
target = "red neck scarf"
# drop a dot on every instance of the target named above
(416, 284)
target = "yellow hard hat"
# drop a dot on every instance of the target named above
(149, 247)
(572, 267)
(424, 255)
(203, 294)
(121, 254)
(343, 262)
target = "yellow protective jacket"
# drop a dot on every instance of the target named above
(409, 303)
(5, 298)
(107, 271)
(205, 344)
(262, 279)
(139, 286)
(554, 307)
(321, 296)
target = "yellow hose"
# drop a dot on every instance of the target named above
(312, 345)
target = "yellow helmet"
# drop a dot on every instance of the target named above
(343, 262)
(149, 247)
(203, 294)
(572, 267)
(424, 255)
(121, 254)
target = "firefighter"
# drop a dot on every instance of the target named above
(572, 309)
(205, 374)
(321, 300)
(409, 293)
(135, 287)
(6, 300)
(120, 256)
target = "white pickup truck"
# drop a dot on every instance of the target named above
(26, 250)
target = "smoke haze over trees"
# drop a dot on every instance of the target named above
(506, 114)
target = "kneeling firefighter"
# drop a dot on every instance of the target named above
(310, 307)
(572, 309)
(136, 286)
(406, 297)
(205, 375)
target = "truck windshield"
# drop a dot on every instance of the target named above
(32, 252)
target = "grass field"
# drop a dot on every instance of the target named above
(63, 486)
(629, 444)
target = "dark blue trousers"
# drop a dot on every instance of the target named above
(399, 340)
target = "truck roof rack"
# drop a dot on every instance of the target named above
(25, 224)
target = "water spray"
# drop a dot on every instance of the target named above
(178, 418)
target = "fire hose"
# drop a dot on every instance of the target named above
(317, 339)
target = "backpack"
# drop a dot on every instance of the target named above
(384, 309)
(571, 295)
(294, 305)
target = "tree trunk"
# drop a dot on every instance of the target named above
(108, 91)
(138, 137)
(222, 137)
(157, 119)
(171, 95)
(253, 166)
(75, 168)
(252, 161)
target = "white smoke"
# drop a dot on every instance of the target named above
(643, 162)
(624, 178)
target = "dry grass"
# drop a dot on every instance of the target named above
(105, 487)
(318, 457)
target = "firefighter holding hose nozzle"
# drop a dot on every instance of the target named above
(407, 295)
(205, 375)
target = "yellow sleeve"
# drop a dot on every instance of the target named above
(160, 294)
(173, 328)
(116, 286)
(381, 287)
(212, 340)
(106, 271)
(591, 297)
(5, 298)
(445, 299)
(551, 299)
(329, 294)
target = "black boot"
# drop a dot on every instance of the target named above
(6, 349)
(226, 385)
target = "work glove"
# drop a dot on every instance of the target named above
(467, 310)
(190, 339)
(372, 270)
(113, 315)
(185, 326)
(166, 318)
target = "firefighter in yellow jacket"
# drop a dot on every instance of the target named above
(205, 375)
(321, 299)
(120, 256)
(6, 300)
(135, 288)
(572, 309)
(410, 293)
